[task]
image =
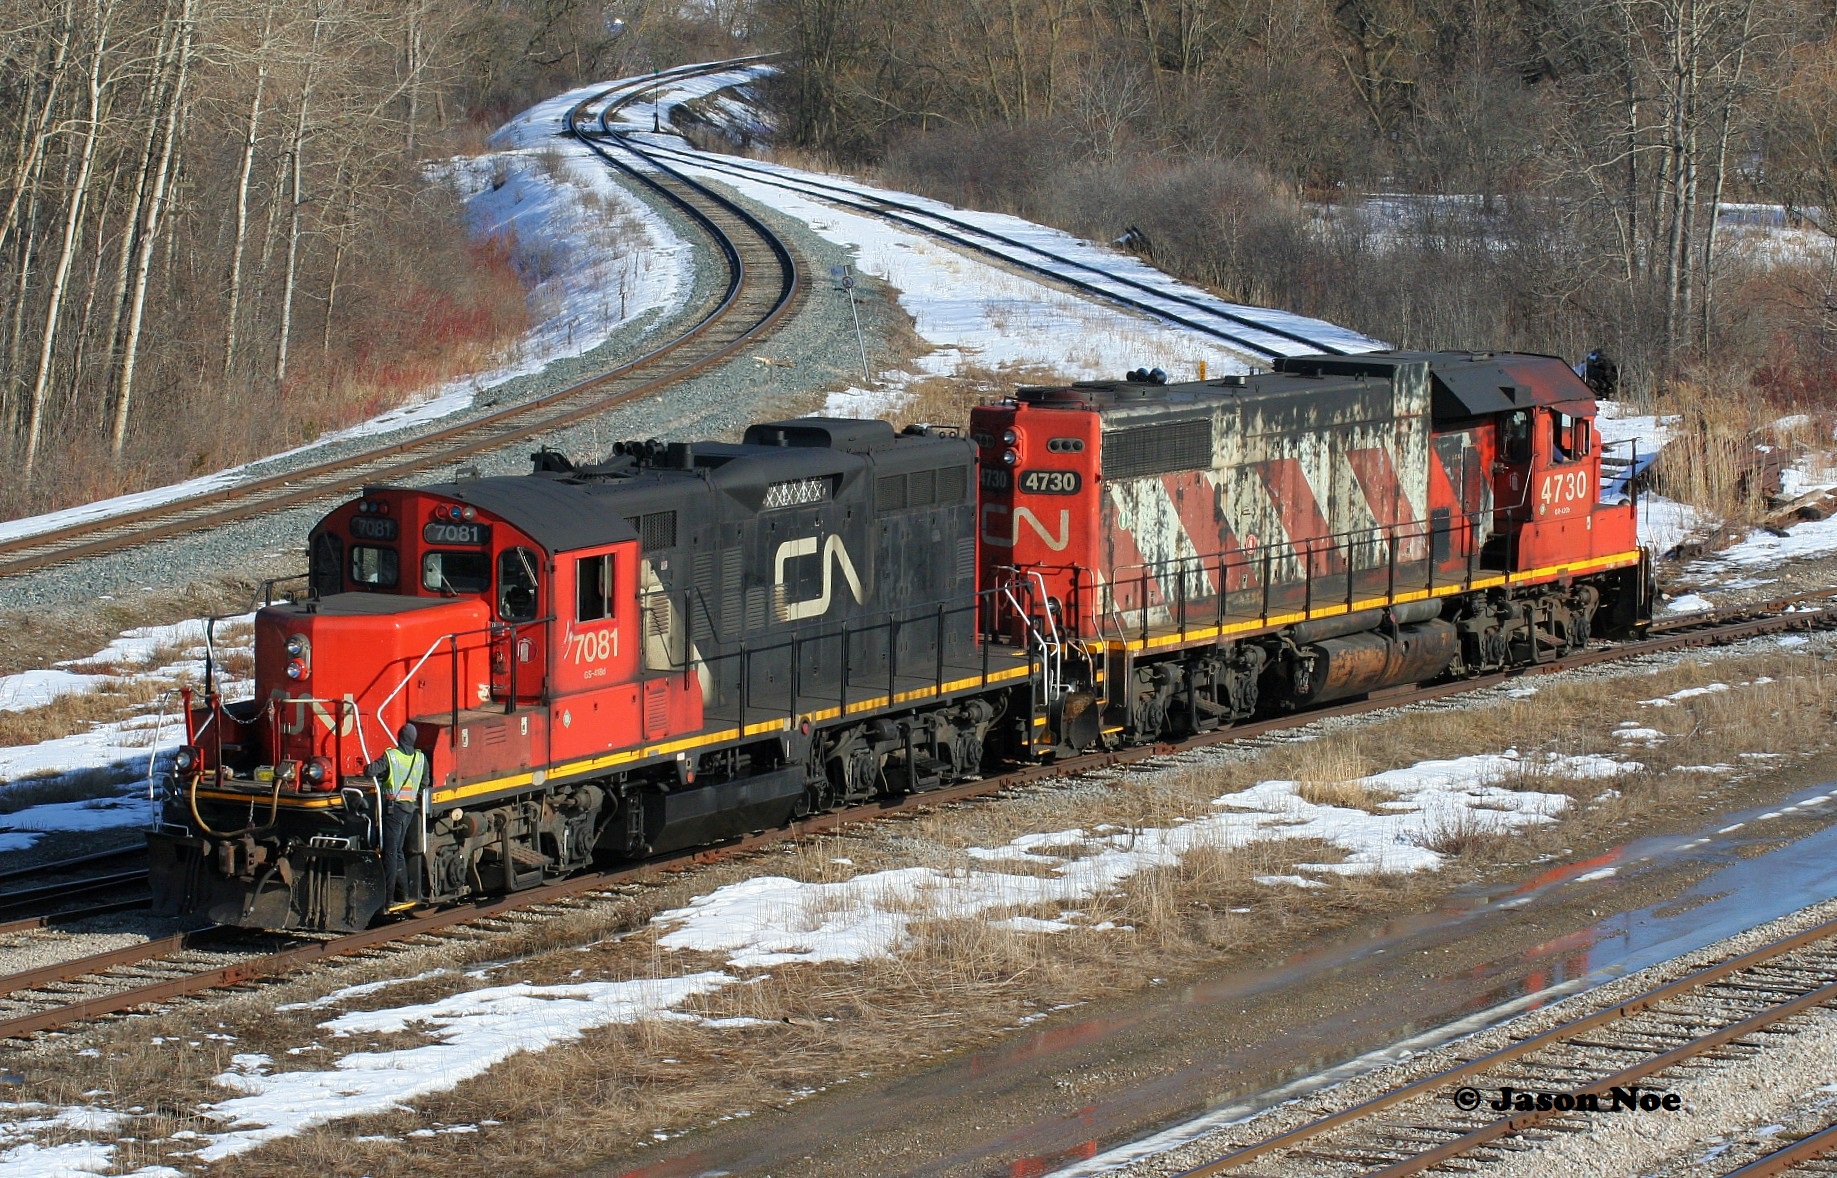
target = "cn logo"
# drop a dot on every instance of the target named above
(834, 557)
(993, 533)
(296, 709)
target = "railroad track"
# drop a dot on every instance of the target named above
(1257, 334)
(45, 1010)
(1592, 1065)
(72, 889)
(1807, 1155)
(762, 286)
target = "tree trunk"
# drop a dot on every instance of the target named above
(149, 232)
(1722, 170)
(30, 160)
(155, 103)
(249, 140)
(293, 223)
(73, 223)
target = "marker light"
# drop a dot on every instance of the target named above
(185, 758)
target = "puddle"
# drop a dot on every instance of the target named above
(1747, 890)
(1745, 885)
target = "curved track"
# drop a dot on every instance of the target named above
(762, 286)
(48, 1010)
(1240, 328)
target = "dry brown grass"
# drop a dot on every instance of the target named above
(947, 400)
(126, 690)
(1709, 461)
(81, 785)
(962, 979)
(38, 638)
(1330, 771)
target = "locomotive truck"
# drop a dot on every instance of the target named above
(689, 641)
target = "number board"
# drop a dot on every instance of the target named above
(472, 535)
(1566, 490)
(1051, 482)
(994, 478)
(369, 527)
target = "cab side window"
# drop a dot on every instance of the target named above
(593, 588)
(1561, 439)
(1515, 436)
(518, 585)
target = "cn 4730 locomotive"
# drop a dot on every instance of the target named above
(691, 641)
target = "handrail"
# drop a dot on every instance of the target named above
(388, 699)
(1110, 590)
(267, 586)
(153, 752)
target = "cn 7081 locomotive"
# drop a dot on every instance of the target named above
(691, 641)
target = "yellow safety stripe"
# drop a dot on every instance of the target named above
(287, 801)
(1198, 634)
(648, 752)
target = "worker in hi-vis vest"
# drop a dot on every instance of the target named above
(404, 769)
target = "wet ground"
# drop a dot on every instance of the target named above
(1170, 1061)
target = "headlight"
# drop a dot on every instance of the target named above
(1009, 457)
(296, 669)
(297, 646)
(317, 772)
(1009, 437)
(184, 759)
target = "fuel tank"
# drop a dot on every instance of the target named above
(1353, 664)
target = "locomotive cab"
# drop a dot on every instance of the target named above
(429, 606)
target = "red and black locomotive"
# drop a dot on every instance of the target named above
(690, 641)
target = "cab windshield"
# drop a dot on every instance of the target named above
(455, 572)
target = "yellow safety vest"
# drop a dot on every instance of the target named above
(405, 773)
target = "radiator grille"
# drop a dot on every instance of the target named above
(1158, 449)
(656, 529)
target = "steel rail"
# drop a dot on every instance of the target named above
(277, 963)
(1552, 1037)
(60, 866)
(1788, 1157)
(486, 432)
(97, 963)
(29, 924)
(28, 898)
(1721, 1037)
(921, 219)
